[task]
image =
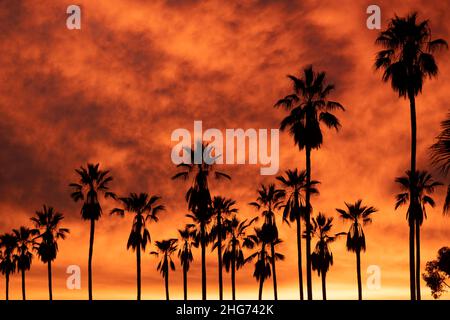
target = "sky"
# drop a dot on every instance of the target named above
(114, 91)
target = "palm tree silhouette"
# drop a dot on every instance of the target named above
(25, 243)
(359, 216)
(233, 256)
(263, 260)
(8, 259)
(294, 208)
(187, 237)
(198, 197)
(407, 59)
(269, 200)
(421, 185)
(47, 222)
(221, 207)
(308, 107)
(144, 208)
(322, 257)
(92, 182)
(166, 248)
(441, 155)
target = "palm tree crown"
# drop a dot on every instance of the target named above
(295, 188)
(322, 257)
(441, 155)
(233, 256)
(358, 215)
(309, 106)
(8, 257)
(47, 222)
(144, 208)
(92, 182)
(407, 58)
(25, 243)
(166, 248)
(423, 185)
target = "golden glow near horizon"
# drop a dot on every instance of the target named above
(114, 91)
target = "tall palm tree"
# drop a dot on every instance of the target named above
(407, 60)
(294, 209)
(322, 257)
(187, 238)
(8, 259)
(198, 197)
(221, 208)
(92, 182)
(47, 222)
(441, 155)
(166, 248)
(144, 208)
(309, 107)
(233, 256)
(359, 216)
(25, 243)
(421, 185)
(269, 200)
(262, 238)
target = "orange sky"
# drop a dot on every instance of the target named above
(114, 91)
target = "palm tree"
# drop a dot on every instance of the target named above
(92, 182)
(359, 216)
(269, 200)
(407, 59)
(263, 259)
(441, 155)
(144, 208)
(25, 243)
(294, 208)
(421, 185)
(308, 107)
(221, 207)
(233, 256)
(322, 257)
(187, 238)
(8, 259)
(198, 197)
(166, 248)
(47, 222)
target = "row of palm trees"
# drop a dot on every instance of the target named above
(407, 60)
(223, 229)
(17, 247)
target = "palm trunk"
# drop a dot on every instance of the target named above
(308, 224)
(412, 280)
(299, 256)
(411, 261)
(324, 286)
(23, 285)
(167, 283)
(91, 251)
(203, 244)
(358, 273)
(7, 286)
(261, 279)
(274, 272)
(219, 254)
(261, 284)
(138, 269)
(418, 297)
(49, 272)
(233, 273)
(185, 281)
